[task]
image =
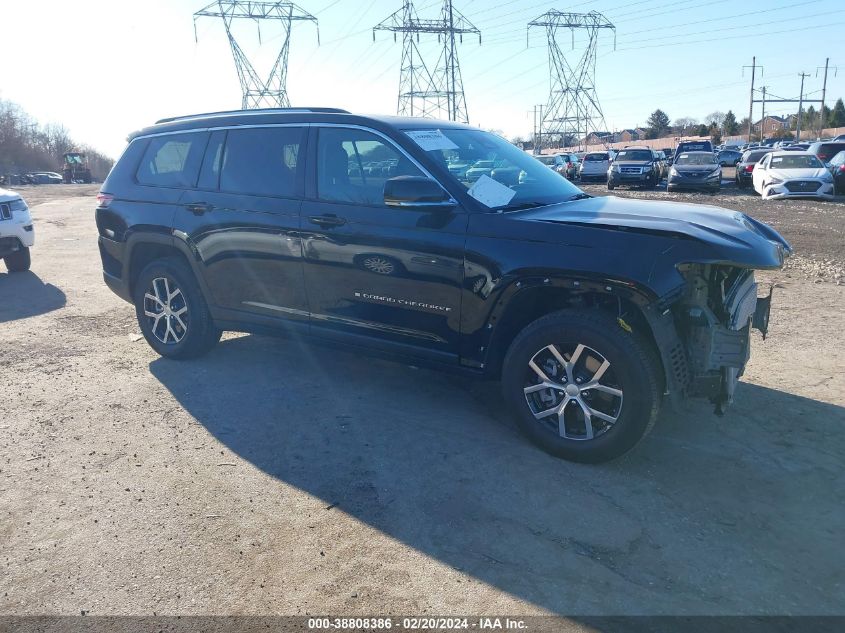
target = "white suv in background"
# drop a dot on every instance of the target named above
(16, 232)
(595, 166)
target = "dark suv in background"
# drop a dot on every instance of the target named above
(362, 232)
(635, 166)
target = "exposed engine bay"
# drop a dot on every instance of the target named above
(714, 319)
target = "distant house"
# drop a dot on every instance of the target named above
(629, 135)
(772, 123)
(599, 138)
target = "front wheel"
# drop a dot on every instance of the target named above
(610, 186)
(582, 387)
(172, 312)
(19, 261)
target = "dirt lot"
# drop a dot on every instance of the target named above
(274, 478)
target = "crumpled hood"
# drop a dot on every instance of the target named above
(736, 236)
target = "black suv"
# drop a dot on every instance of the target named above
(355, 230)
(635, 166)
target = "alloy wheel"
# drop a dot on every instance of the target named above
(166, 310)
(573, 389)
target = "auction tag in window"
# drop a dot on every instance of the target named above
(491, 193)
(430, 139)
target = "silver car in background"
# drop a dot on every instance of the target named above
(595, 166)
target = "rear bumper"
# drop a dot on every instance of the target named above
(112, 257)
(596, 175)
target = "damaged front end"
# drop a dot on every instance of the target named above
(714, 318)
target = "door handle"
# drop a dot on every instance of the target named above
(326, 220)
(198, 208)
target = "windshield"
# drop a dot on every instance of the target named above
(589, 158)
(703, 158)
(753, 157)
(703, 146)
(633, 154)
(531, 183)
(546, 160)
(795, 162)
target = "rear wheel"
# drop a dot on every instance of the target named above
(610, 186)
(582, 388)
(172, 312)
(18, 261)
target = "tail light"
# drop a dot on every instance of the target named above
(842, 167)
(749, 168)
(104, 200)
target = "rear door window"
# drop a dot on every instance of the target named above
(172, 160)
(263, 161)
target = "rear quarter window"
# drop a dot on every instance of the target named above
(172, 160)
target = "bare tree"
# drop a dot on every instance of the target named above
(715, 118)
(25, 146)
(684, 124)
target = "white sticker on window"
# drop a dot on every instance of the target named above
(430, 139)
(491, 193)
(777, 159)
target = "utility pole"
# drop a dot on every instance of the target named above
(800, 108)
(540, 132)
(763, 115)
(255, 92)
(421, 91)
(751, 101)
(824, 91)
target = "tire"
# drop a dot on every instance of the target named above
(19, 261)
(183, 328)
(632, 371)
(610, 187)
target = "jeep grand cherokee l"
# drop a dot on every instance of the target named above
(591, 310)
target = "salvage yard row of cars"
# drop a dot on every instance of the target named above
(794, 169)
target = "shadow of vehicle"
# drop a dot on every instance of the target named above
(24, 295)
(733, 515)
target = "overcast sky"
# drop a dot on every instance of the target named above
(104, 68)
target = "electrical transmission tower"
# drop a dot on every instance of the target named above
(422, 92)
(573, 109)
(257, 93)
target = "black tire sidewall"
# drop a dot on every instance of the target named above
(19, 261)
(200, 327)
(631, 364)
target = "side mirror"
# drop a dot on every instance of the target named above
(416, 192)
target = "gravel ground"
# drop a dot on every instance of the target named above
(271, 477)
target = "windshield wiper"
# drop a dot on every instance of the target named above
(524, 205)
(579, 196)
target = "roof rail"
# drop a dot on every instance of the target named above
(250, 112)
